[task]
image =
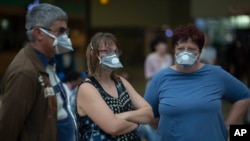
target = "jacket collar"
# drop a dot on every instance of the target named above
(35, 57)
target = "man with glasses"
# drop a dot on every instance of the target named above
(34, 103)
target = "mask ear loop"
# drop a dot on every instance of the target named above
(52, 36)
(47, 33)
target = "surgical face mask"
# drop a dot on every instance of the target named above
(186, 59)
(110, 61)
(61, 44)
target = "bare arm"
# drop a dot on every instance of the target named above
(237, 112)
(143, 113)
(90, 102)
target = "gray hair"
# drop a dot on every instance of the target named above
(43, 15)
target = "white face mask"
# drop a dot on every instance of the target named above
(110, 61)
(61, 44)
(186, 59)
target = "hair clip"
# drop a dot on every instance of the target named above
(90, 44)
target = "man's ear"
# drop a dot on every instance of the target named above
(37, 33)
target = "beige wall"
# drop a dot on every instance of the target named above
(214, 8)
(154, 13)
(129, 13)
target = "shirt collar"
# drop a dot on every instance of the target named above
(45, 61)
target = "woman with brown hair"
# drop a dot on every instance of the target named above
(108, 107)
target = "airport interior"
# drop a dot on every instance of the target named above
(135, 23)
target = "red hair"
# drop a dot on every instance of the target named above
(183, 33)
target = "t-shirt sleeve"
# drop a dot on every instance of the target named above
(234, 89)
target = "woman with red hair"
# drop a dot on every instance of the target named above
(187, 97)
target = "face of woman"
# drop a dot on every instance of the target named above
(186, 54)
(161, 48)
(106, 49)
(108, 56)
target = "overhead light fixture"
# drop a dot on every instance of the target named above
(104, 2)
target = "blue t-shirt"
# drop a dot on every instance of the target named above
(189, 104)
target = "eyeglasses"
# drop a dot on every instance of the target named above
(59, 31)
(107, 51)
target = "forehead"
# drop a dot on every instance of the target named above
(58, 24)
(188, 42)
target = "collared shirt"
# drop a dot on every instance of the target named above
(42, 58)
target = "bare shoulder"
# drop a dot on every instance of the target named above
(86, 88)
(128, 86)
(124, 81)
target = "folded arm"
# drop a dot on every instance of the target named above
(143, 113)
(90, 103)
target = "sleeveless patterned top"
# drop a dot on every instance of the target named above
(89, 131)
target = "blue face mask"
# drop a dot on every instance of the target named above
(110, 61)
(186, 59)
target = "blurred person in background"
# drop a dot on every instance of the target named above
(237, 61)
(187, 97)
(29, 105)
(158, 59)
(208, 53)
(70, 82)
(108, 107)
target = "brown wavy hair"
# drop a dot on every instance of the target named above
(190, 31)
